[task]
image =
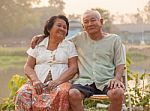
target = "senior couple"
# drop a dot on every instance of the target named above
(53, 61)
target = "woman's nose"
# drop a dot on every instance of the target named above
(63, 29)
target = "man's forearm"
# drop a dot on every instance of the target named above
(119, 71)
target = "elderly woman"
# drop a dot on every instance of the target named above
(49, 68)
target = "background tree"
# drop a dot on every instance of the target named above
(21, 21)
(55, 7)
(57, 4)
(147, 11)
(14, 15)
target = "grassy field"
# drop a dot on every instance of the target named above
(11, 62)
(140, 57)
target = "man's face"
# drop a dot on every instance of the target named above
(91, 23)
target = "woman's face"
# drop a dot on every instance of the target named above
(59, 29)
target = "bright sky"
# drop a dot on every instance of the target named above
(114, 6)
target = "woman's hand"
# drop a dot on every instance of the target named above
(53, 84)
(38, 86)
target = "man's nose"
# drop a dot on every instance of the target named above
(90, 23)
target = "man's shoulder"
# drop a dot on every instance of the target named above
(67, 43)
(77, 36)
(83, 33)
(114, 36)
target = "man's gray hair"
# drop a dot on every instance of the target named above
(97, 14)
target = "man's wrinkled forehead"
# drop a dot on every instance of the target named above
(91, 13)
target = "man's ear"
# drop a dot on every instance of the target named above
(83, 27)
(102, 21)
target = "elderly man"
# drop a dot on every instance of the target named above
(101, 64)
(100, 61)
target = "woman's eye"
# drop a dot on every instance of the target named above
(59, 25)
(65, 27)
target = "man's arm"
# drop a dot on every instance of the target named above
(116, 81)
(119, 60)
(119, 71)
(36, 40)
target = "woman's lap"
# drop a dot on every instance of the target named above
(25, 98)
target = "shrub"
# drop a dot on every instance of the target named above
(14, 84)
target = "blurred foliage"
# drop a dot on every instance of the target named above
(140, 92)
(20, 20)
(147, 11)
(15, 14)
(92, 103)
(14, 84)
(57, 4)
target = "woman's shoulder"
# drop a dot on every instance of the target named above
(44, 42)
(67, 42)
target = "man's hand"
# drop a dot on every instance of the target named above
(36, 40)
(115, 83)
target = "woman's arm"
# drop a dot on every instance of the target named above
(29, 69)
(67, 75)
(31, 74)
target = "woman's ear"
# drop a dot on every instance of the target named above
(48, 31)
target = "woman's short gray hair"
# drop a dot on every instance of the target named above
(97, 14)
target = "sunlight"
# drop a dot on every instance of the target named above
(114, 6)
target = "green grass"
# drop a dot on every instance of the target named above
(9, 61)
(137, 56)
(6, 60)
(140, 57)
(12, 57)
(15, 51)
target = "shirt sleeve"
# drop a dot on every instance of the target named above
(32, 52)
(72, 52)
(120, 52)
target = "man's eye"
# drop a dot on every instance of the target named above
(93, 20)
(85, 22)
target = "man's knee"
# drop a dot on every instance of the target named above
(75, 95)
(116, 94)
